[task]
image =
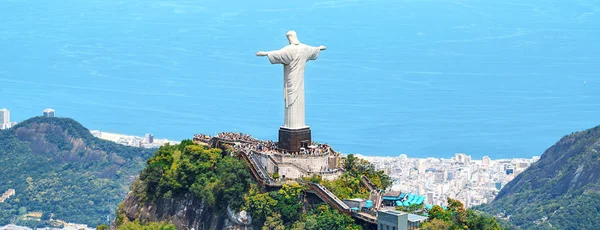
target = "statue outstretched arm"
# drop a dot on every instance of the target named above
(261, 53)
(322, 48)
(277, 56)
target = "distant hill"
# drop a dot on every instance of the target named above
(57, 167)
(561, 190)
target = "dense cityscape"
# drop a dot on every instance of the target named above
(473, 182)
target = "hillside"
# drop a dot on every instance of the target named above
(563, 186)
(58, 168)
(187, 185)
(194, 187)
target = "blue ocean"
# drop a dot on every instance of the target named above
(424, 78)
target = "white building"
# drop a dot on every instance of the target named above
(5, 119)
(49, 112)
(4, 116)
(462, 158)
(485, 162)
(149, 138)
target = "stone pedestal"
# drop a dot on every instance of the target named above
(294, 139)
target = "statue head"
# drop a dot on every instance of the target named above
(292, 37)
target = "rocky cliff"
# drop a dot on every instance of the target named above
(185, 212)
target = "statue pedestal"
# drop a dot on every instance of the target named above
(294, 139)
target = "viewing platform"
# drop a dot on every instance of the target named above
(317, 159)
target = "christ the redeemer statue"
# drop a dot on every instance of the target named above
(293, 57)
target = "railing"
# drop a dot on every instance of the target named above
(252, 167)
(367, 182)
(330, 198)
(301, 155)
(264, 174)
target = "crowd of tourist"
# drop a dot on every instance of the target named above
(315, 149)
(202, 137)
(226, 136)
(250, 143)
(236, 136)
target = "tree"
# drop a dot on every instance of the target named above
(273, 222)
(22, 211)
(475, 221)
(260, 206)
(234, 178)
(436, 212)
(350, 163)
(324, 218)
(102, 227)
(458, 218)
(458, 212)
(436, 224)
(289, 205)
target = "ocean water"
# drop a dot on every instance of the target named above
(502, 78)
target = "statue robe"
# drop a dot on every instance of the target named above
(294, 58)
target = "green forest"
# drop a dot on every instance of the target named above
(210, 174)
(456, 216)
(59, 169)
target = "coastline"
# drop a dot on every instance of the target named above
(147, 141)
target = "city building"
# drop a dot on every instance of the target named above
(149, 138)
(414, 221)
(49, 112)
(430, 197)
(392, 220)
(395, 220)
(4, 116)
(485, 162)
(459, 177)
(5, 119)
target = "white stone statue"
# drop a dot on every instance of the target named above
(293, 57)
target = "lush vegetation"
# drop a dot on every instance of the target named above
(284, 209)
(58, 168)
(349, 184)
(561, 190)
(214, 176)
(210, 174)
(457, 217)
